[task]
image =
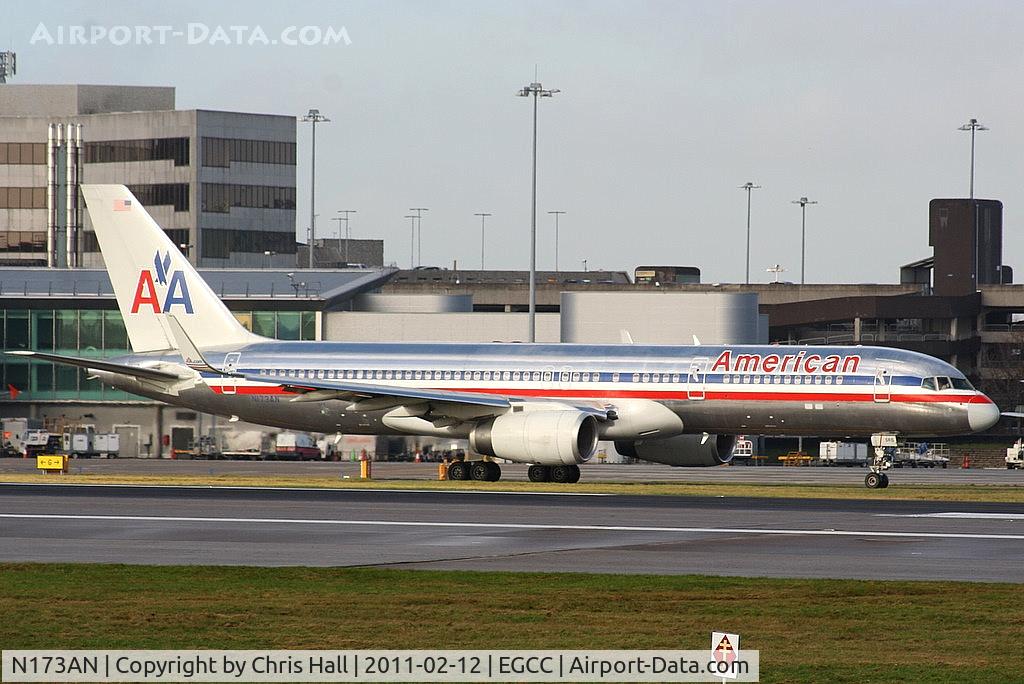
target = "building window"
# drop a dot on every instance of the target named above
(163, 194)
(220, 243)
(22, 241)
(221, 152)
(22, 198)
(219, 198)
(149, 149)
(22, 153)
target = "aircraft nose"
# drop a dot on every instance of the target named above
(982, 414)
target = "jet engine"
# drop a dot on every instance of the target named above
(687, 451)
(540, 437)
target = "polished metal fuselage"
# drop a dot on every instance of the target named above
(880, 392)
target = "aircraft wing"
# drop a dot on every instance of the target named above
(370, 397)
(99, 364)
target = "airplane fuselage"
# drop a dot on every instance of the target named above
(733, 389)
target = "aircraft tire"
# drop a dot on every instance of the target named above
(873, 480)
(563, 474)
(458, 470)
(885, 481)
(494, 472)
(480, 471)
(539, 473)
(575, 474)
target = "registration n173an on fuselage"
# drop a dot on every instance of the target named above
(542, 404)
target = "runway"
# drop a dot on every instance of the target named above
(518, 532)
(592, 472)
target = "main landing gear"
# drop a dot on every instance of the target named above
(481, 471)
(884, 445)
(560, 473)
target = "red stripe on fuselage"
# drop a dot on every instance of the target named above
(666, 395)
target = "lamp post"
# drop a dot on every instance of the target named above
(557, 214)
(537, 91)
(483, 218)
(313, 117)
(748, 186)
(777, 270)
(412, 240)
(973, 126)
(348, 235)
(419, 227)
(803, 202)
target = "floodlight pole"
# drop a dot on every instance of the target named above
(483, 218)
(973, 126)
(348, 235)
(748, 186)
(313, 117)
(419, 227)
(412, 240)
(803, 202)
(536, 90)
(557, 214)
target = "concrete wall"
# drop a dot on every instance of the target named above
(660, 317)
(411, 303)
(358, 326)
(18, 99)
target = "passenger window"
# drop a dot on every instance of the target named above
(828, 379)
(575, 377)
(675, 377)
(943, 383)
(655, 378)
(506, 376)
(636, 377)
(536, 376)
(929, 384)
(547, 376)
(735, 379)
(586, 377)
(615, 377)
(757, 379)
(477, 375)
(798, 380)
(516, 376)
(563, 376)
(839, 379)
(487, 376)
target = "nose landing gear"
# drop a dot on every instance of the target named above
(885, 445)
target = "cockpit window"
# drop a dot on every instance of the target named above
(944, 383)
(928, 384)
(962, 384)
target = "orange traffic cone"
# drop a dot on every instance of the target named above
(967, 461)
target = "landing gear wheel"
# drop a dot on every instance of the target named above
(458, 470)
(874, 480)
(479, 471)
(539, 473)
(885, 481)
(566, 474)
(494, 472)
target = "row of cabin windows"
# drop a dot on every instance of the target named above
(538, 376)
(783, 379)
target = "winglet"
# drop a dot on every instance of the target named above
(190, 353)
(696, 341)
(625, 336)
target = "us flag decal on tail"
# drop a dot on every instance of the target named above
(122, 205)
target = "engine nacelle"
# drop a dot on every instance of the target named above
(541, 437)
(686, 451)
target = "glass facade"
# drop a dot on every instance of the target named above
(166, 194)
(222, 151)
(93, 333)
(220, 197)
(147, 149)
(219, 243)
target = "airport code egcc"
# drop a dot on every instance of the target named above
(375, 666)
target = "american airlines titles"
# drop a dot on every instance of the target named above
(801, 362)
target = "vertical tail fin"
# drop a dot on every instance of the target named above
(151, 277)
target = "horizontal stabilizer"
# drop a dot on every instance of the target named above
(98, 364)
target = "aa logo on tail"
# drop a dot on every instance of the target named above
(177, 288)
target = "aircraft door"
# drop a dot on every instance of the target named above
(695, 379)
(883, 387)
(230, 365)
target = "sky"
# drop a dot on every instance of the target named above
(665, 109)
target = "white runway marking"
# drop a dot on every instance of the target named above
(958, 515)
(516, 526)
(370, 490)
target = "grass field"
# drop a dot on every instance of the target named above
(806, 630)
(991, 493)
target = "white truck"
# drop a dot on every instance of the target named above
(843, 454)
(1015, 456)
(85, 442)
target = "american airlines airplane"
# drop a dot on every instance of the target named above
(542, 404)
